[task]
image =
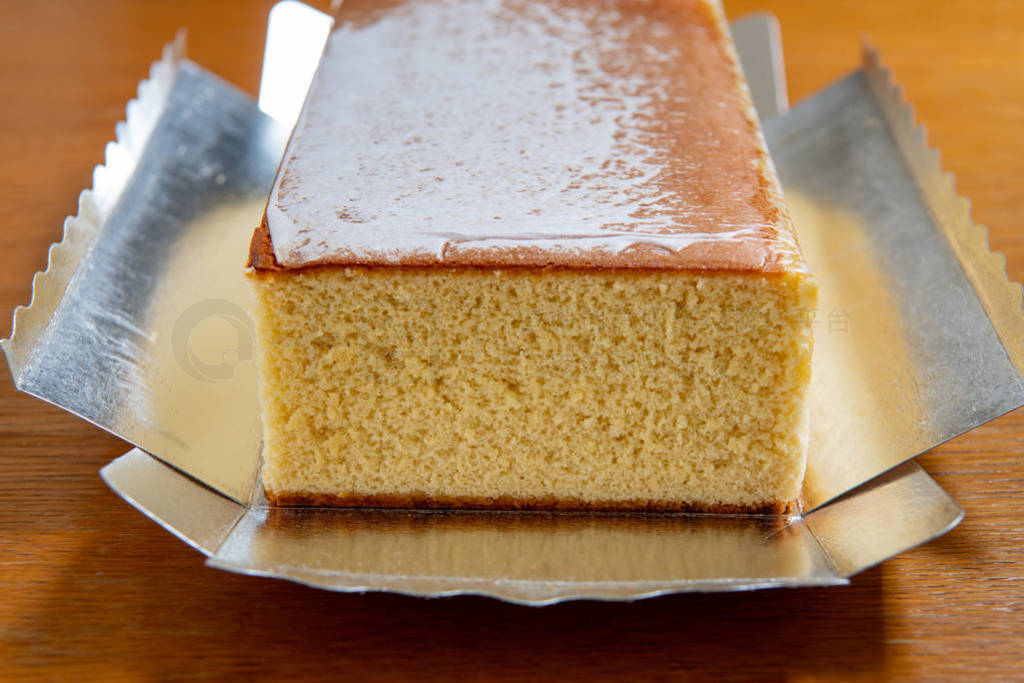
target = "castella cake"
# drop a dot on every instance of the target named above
(531, 254)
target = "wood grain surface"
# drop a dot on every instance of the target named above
(89, 588)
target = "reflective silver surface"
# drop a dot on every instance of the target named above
(905, 356)
(194, 513)
(529, 558)
(139, 325)
(537, 558)
(892, 513)
(150, 339)
(94, 207)
(759, 42)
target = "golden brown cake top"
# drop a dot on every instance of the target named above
(575, 133)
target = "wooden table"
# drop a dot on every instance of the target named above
(89, 587)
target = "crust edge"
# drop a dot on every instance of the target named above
(420, 501)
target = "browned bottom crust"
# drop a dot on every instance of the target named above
(422, 501)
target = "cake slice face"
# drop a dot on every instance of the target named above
(531, 254)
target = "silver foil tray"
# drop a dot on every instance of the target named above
(139, 325)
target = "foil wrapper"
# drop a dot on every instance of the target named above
(139, 324)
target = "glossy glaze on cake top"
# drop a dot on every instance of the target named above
(566, 133)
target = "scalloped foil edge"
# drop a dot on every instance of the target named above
(109, 183)
(109, 179)
(1002, 298)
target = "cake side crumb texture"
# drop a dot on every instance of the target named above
(638, 390)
